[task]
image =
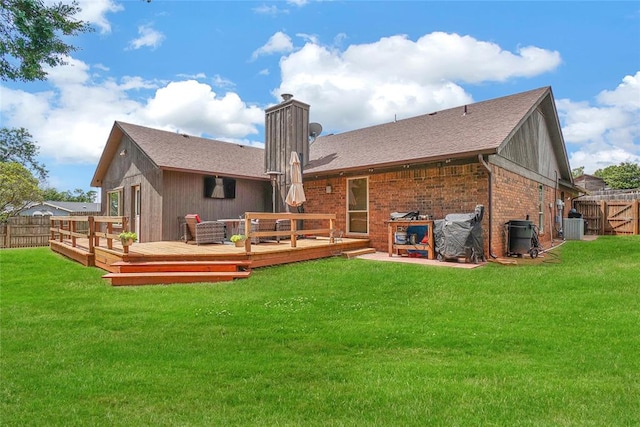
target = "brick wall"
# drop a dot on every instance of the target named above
(435, 191)
(438, 191)
(514, 198)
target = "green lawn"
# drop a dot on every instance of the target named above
(332, 342)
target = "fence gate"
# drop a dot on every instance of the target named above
(610, 216)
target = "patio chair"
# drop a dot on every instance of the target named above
(203, 231)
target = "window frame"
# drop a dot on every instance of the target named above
(350, 212)
(118, 193)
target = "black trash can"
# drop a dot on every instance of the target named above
(520, 233)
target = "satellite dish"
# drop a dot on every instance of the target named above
(315, 129)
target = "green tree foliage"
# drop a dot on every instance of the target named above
(626, 175)
(18, 188)
(16, 146)
(579, 171)
(32, 34)
(78, 195)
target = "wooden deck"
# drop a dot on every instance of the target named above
(179, 262)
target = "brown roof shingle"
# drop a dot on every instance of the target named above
(444, 134)
(174, 151)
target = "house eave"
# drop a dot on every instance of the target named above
(398, 164)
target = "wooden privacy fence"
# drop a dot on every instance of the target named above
(610, 216)
(24, 232)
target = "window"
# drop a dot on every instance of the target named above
(114, 198)
(357, 205)
(540, 208)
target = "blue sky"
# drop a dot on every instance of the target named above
(210, 68)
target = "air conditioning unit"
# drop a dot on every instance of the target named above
(573, 228)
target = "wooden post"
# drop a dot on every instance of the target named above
(247, 232)
(294, 234)
(636, 217)
(603, 210)
(332, 227)
(109, 239)
(91, 233)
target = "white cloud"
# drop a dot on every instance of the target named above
(149, 37)
(95, 12)
(607, 132)
(197, 76)
(270, 10)
(220, 81)
(278, 43)
(71, 122)
(192, 107)
(395, 76)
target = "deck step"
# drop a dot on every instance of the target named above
(157, 278)
(357, 252)
(181, 266)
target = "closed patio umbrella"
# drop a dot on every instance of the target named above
(295, 196)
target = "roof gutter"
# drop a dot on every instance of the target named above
(489, 208)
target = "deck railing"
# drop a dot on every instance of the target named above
(294, 232)
(66, 229)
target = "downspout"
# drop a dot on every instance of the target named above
(490, 207)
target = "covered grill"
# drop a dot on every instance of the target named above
(460, 235)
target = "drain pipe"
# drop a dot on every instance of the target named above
(490, 209)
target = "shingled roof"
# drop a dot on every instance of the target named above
(179, 152)
(431, 137)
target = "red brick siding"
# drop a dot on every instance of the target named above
(434, 191)
(515, 197)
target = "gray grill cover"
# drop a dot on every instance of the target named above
(460, 235)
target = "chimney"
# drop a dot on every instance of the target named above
(286, 129)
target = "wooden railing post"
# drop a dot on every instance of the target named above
(109, 231)
(603, 208)
(332, 227)
(91, 233)
(294, 233)
(247, 231)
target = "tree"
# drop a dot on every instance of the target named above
(30, 37)
(626, 175)
(16, 146)
(78, 195)
(18, 188)
(579, 171)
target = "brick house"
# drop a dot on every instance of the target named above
(507, 154)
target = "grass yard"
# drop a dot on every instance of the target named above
(333, 342)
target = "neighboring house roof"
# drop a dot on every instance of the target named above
(180, 152)
(70, 207)
(437, 136)
(590, 182)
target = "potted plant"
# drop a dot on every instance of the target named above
(238, 239)
(127, 237)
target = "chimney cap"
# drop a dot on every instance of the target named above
(286, 96)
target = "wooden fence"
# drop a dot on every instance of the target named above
(25, 232)
(610, 216)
